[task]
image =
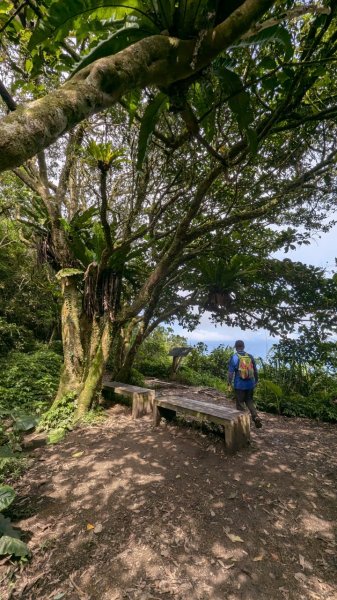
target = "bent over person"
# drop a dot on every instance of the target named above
(242, 369)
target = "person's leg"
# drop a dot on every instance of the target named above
(240, 399)
(249, 399)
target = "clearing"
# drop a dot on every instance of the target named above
(123, 511)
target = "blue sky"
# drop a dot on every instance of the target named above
(321, 253)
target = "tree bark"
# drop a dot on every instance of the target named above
(73, 358)
(92, 383)
(158, 60)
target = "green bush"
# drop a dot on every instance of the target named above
(29, 381)
(188, 376)
(14, 337)
(154, 369)
(137, 378)
(60, 416)
(272, 398)
(215, 363)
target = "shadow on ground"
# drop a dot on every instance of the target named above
(125, 511)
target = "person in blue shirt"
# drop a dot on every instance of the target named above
(244, 381)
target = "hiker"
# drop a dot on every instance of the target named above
(242, 369)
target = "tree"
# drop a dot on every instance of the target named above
(209, 163)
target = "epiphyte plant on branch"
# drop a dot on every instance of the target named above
(142, 43)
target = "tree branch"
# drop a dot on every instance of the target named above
(157, 60)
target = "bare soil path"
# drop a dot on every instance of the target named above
(127, 512)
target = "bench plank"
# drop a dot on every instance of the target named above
(142, 398)
(236, 424)
(228, 414)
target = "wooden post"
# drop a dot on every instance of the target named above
(156, 415)
(237, 433)
(142, 403)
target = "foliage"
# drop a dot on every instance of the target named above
(189, 376)
(15, 337)
(10, 542)
(298, 379)
(60, 417)
(153, 357)
(28, 296)
(137, 378)
(28, 381)
(215, 363)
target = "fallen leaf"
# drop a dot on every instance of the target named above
(234, 538)
(300, 577)
(259, 557)
(305, 564)
(77, 454)
(90, 526)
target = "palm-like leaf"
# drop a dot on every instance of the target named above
(62, 16)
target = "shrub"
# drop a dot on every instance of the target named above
(137, 378)
(14, 337)
(60, 416)
(188, 376)
(29, 381)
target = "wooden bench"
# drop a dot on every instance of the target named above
(236, 424)
(142, 398)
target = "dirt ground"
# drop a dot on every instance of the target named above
(123, 511)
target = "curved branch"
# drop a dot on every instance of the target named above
(157, 60)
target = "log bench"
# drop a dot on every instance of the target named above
(236, 424)
(142, 398)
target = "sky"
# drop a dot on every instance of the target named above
(321, 253)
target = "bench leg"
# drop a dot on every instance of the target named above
(237, 434)
(156, 414)
(142, 404)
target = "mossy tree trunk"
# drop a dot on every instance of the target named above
(86, 347)
(73, 355)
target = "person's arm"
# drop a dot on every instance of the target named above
(256, 373)
(231, 371)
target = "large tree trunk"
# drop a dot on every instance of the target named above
(99, 354)
(86, 347)
(124, 371)
(73, 356)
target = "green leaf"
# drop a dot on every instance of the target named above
(83, 219)
(63, 14)
(7, 529)
(165, 12)
(6, 452)
(251, 136)
(10, 545)
(115, 43)
(239, 100)
(56, 435)
(276, 33)
(68, 273)
(149, 120)
(7, 495)
(25, 422)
